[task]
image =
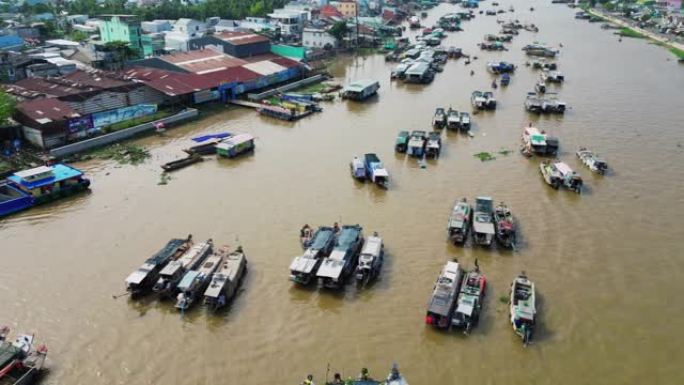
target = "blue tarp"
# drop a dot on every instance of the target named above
(204, 138)
(10, 41)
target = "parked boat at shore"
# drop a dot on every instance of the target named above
(469, 302)
(303, 269)
(173, 272)
(441, 306)
(144, 278)
(207, 147)
(504, 225)
(483, 221)
(523, 307)
(226, 279)
(21, 363)
(459, 222)
(593, 161)
(25, 189)
(342, 262)
(194, 282)
(371, 260)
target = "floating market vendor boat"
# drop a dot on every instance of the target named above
(504, 225)
(303, 269)
(194, 282)
(483, 222)
(371, 259)
(538, 143)
(343, 259)
(416, 144)
(171, 274)
(551, 176)
(440, 118)
(453, 119)
(459, 222)
(144, 278)
(357, 169)
(375, 170)
(21, 363)
(441, 306)
(226, 279)
(593, 161)
(434, 145)
(235, 145)
(25, 189)
(523, 307)
(401, 144)
(558, 174)
(465, 121)
(470, 299)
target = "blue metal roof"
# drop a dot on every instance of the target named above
(60, 172)
(10, 41)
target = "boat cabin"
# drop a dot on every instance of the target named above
(360, 90)
(357, 168)
(235, 145)
(303, 268)
(336, 268)
(483, 222)
(416, 144)
(225, 281)
(441, 305)
(401, 144)
(370, 260)
(459, 222)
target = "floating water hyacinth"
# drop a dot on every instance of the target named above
(484, 156)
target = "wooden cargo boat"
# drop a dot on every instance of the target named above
(339, 266)
(593, 161)
(523, 307)
(371, 260)
(440, 118)
(144, 278)
(459, 222)
(416, 144)
(441, 306)
(375, 170)
(434, 145)
(483, 222)
(171, 274)
(401, 144)
(226, 279)
(504, 225)
(194, 282)
(303, 269)
(470, 299)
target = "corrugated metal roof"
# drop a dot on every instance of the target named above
(265, 67)
(242, 38)
(170, 83)
(230, 75)
(47, 110)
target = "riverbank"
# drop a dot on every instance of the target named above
(631, 30)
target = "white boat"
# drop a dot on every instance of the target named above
(537, 142)
(483, 221)
(441, 305)
(370, 260)
(226, 279)
(194, 282)
(523, 307)
(593, 161)
(303, 268)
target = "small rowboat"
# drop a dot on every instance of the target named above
(180, 163)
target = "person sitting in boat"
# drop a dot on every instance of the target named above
(337, 379)
(309, 380)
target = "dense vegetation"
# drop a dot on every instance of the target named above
(173, 9)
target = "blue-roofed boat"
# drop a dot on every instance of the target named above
(195, 282)
(43, 184)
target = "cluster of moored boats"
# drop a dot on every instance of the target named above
(21, 361)
(332, 255)
(458, 295)
(486, 221)
(223, 144)
(419, 144)
(369, 168)
(190, 272)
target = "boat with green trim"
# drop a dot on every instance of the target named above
(25, 189)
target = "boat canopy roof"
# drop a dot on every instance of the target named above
(373, 246)
(445, 290)
(322, 237)
(165, 253)
(466, 305)
(44, 175)
(171, 268)
(360, 85)
(563, 168)
(303, 264)
(419, 68)
(348, 235)
(139, 275)
(234, 141)
(188, 279)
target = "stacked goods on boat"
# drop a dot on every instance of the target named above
(194, 282)
(535, 142)
(433, 146)
(558, 174)
(504, 225)
(235, 145)
(226, 279)
(25, 189)
(21, 363)
(371, 259)
(483, 100)
(523, 307)
(171, 274)
(416, 144)
(303, 268)
(483, 221)
(360, 90)
(469, 303)
(544, 104)
(459, 222)
(440, 118)
(342, 262)
(143, 279)
(593, 161)
(441, 305)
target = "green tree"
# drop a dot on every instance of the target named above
(7, 104)
(339, 30)
(79, 36)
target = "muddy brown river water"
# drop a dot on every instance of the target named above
(608, 263)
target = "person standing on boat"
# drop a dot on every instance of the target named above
(309, 380)
(336, 227)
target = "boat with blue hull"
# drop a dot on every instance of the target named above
(25, 189)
